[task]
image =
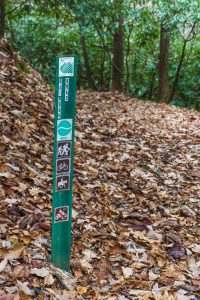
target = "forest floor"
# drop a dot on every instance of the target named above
(136, 195)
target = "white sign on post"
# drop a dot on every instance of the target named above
(66, 66)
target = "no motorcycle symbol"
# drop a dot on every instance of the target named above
(61, 214)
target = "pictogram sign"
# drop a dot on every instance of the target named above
(61, 214)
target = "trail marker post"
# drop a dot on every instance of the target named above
(64, 119)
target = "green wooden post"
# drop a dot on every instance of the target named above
(64, 119)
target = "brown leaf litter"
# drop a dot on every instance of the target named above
(136, 195)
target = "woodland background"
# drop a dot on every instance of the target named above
(148, 49)
(136, 171)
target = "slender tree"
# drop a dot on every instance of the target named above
(190, 34)
(164, 64)
(2, 17)
(118, 51)
(81, 21)
(90, 80)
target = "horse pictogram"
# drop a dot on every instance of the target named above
(62, 183)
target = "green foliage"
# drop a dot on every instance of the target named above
(40, 32)
(49, 39)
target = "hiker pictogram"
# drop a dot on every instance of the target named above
(64, 149)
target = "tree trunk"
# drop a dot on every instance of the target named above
(87, 64)
(164, 65)
(2, 17)
(102, 71)
(152, 81)
(126, 84)
(118, 57)
(175, 83)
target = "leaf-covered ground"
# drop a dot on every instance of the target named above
(136, 195)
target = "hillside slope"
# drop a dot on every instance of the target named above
(136, 195)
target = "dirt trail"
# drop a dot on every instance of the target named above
(136, 194)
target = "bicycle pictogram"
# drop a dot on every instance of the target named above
(63, 165)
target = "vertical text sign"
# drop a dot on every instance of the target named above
(64, 119)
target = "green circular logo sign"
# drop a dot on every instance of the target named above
(64, 128)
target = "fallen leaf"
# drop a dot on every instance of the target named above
(12, 254)
(153, 276)
(81, 290)
(48, 280)
(177, 251)
(196, 248)
(24, 288)
(127, 272)
(40, 272)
